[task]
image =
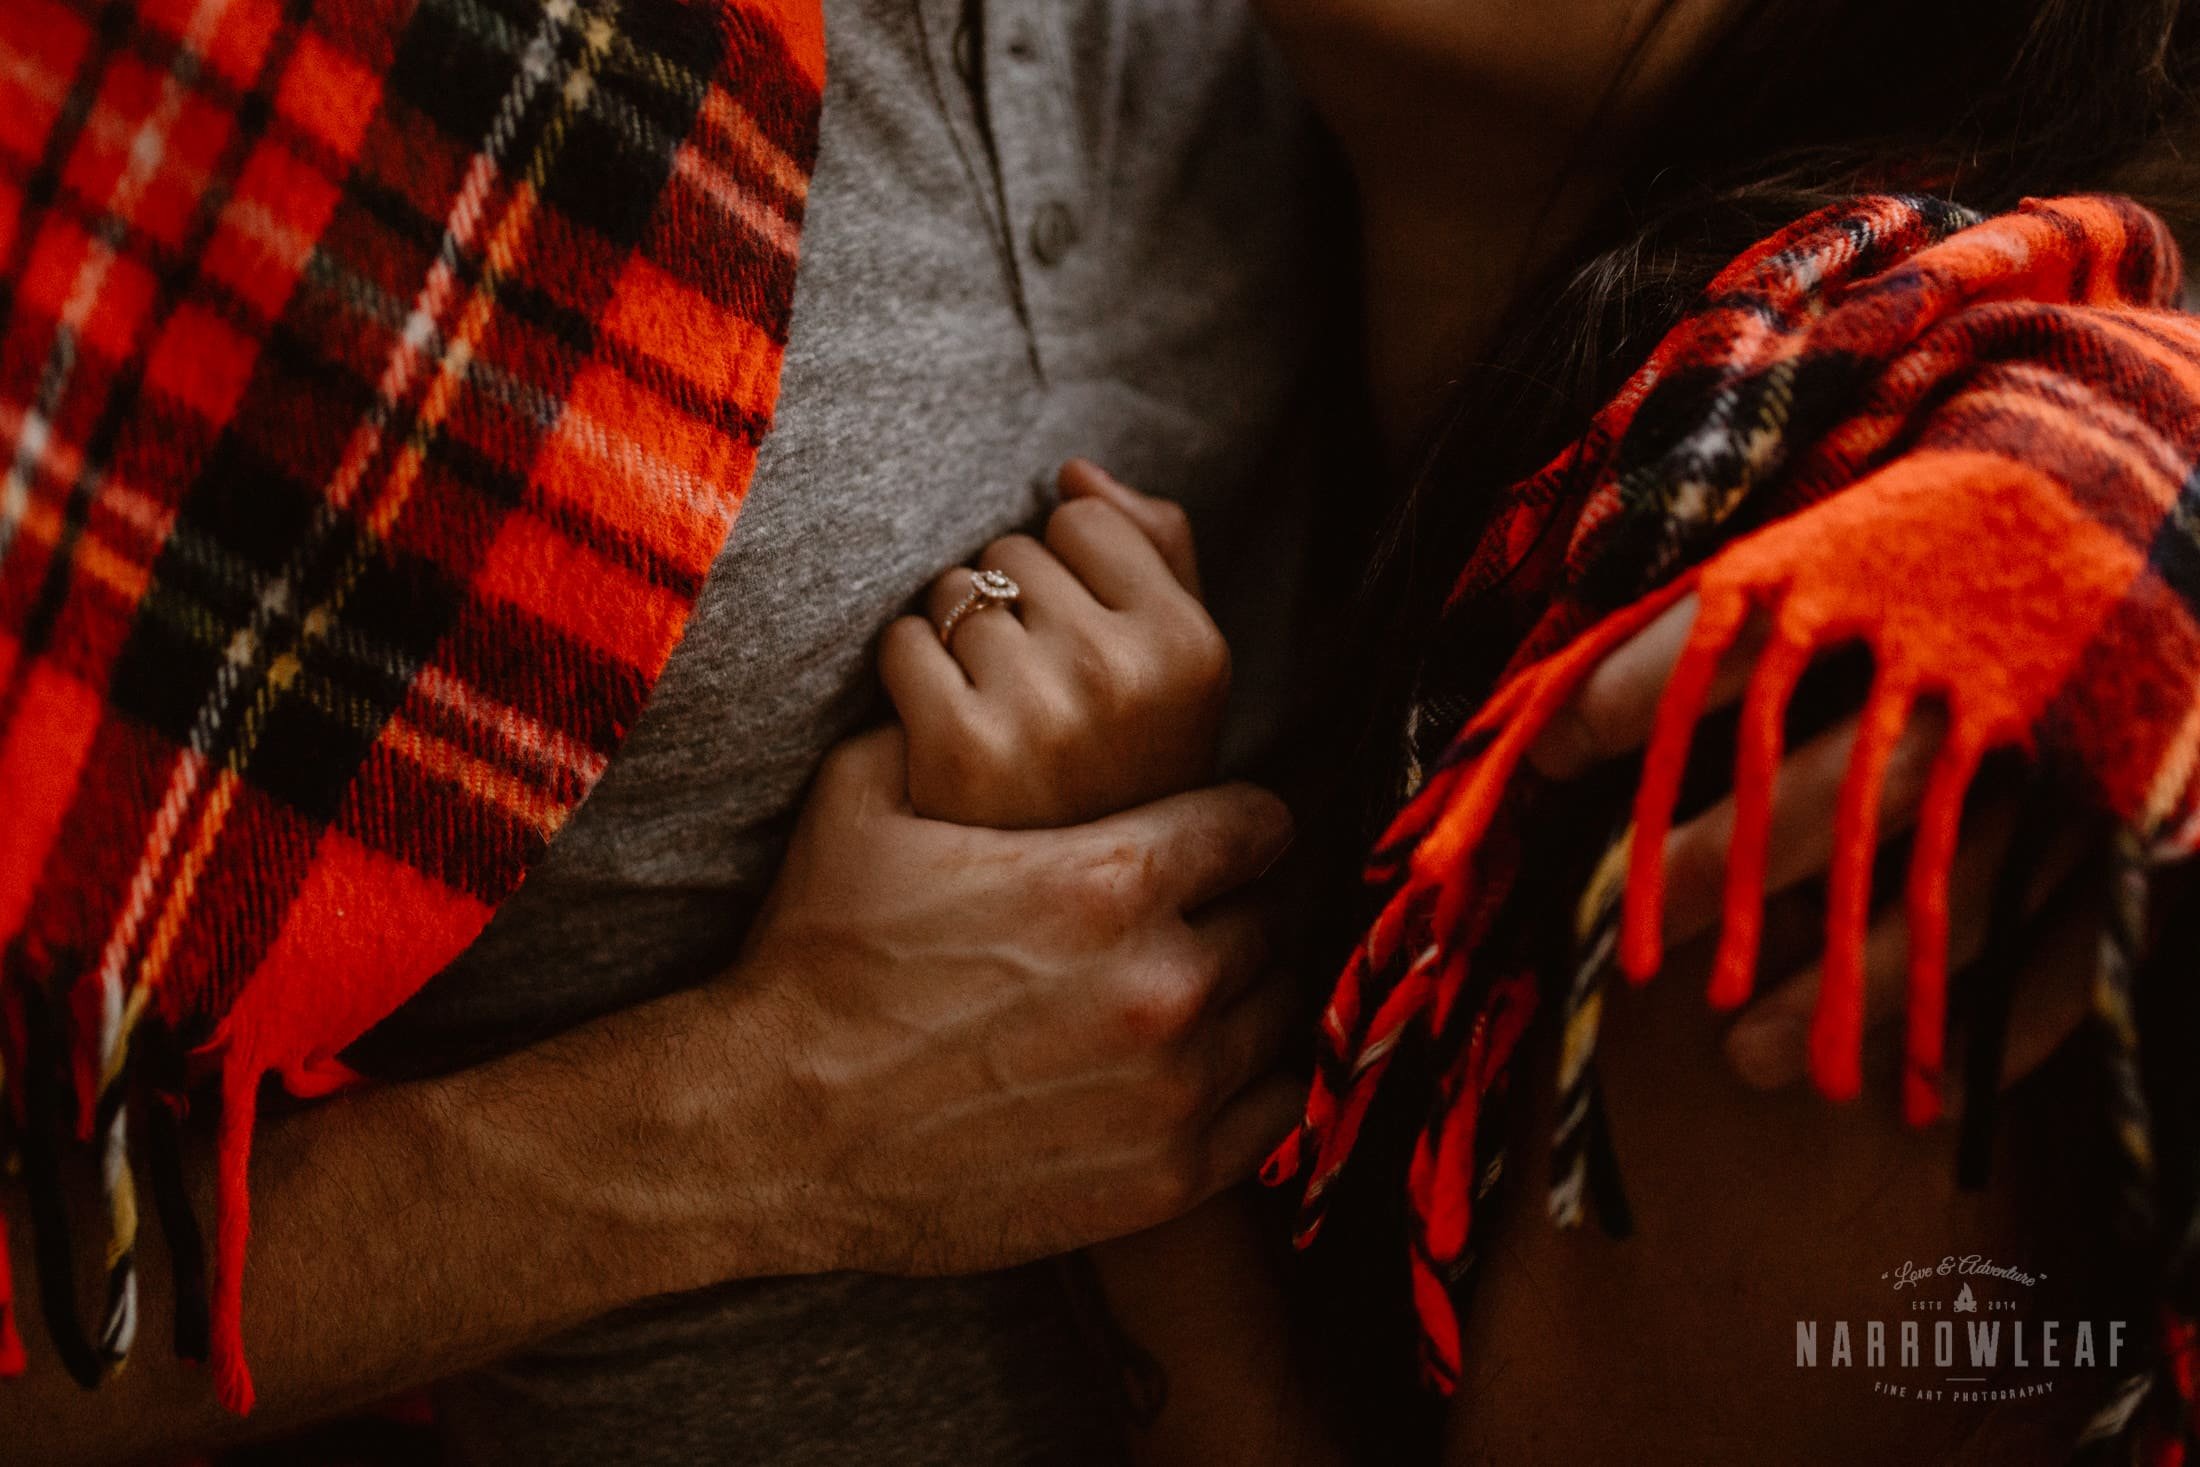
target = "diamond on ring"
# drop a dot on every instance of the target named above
(987, 588)
(993, 585)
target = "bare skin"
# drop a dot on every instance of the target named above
(1465, 123)
(1104, 687)
(411, 1232)
(1482, 136)
(944, 1050)
(1550, 98)
(1766, 1045)
(1751, 1211)
(1518, 117)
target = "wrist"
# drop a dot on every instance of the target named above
(720, 1156)
(638, 1145)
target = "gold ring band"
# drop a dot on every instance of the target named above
(987, 588)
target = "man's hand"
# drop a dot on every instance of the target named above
(1613, 714)
(944, 1050)
(1010, 1044)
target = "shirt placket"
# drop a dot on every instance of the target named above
(1041, 169)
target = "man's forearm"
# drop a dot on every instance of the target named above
(402, 1234)
(945, 1050)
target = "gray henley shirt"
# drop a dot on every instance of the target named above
(1037, 228)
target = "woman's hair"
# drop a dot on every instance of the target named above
(1801, 103)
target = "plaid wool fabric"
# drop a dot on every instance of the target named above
(379, 379)
(1974, 446)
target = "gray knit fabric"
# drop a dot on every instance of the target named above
(1053, 227)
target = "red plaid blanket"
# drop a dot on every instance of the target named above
(379, 379)
(1973, 445)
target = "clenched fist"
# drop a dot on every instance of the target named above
(1007, 1044)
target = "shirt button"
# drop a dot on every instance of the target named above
(1022, 45)
(1053, 232)
(966, 52)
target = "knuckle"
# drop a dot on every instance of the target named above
(1161, 1006)
(1114, 888)
(1200, 653)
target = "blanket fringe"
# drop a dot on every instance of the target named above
(12, 1359)
(2165, 1397)
(240, 1083)
(1578, 1131)
(1441, 835)
(44, 1119)
(13, 1362)
(1920, 513)
(162, 1058)
(1837, 1026)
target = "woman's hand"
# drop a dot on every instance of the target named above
(1768, 1045)
(1015, 1043)
(1103, 689)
